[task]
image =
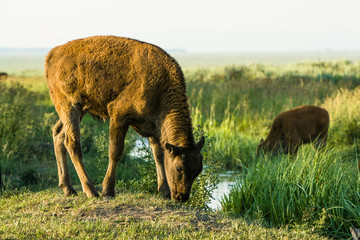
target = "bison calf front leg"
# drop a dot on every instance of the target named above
(116, 147)
(158, 154)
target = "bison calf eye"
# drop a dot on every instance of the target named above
(179, 169)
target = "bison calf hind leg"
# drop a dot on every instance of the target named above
(71, 120)
(61, 159)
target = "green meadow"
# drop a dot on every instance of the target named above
(313, 195)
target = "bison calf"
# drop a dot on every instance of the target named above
(295, 127)
(133, 84)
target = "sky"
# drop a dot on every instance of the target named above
(192, 25)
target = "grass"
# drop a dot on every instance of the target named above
(300, 197)
(318, 188)
(237, 104)
(49, 215)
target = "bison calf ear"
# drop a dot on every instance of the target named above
(173, 149)
(200, 144)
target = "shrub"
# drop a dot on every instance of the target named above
(17, 124)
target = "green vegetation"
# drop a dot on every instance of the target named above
(237, 104)
(302, 197)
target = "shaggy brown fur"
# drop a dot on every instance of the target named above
(133, 84)
(297, 126)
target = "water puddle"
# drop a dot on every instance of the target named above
(227, 181)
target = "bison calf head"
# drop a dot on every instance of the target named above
(182, 166)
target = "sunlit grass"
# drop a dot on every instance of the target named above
(320, 189)
(235, 106)
(48, 214)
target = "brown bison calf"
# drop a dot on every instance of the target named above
(133, 84)
(295, 127)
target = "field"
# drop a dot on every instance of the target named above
(315, 194)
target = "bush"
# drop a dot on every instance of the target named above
(17, 123)
(24, 133)
(26, 121)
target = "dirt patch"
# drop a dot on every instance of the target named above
(124, 213)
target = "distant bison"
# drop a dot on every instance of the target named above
(132, 83)
(295, 127)
(3, 75)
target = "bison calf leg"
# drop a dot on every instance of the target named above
(60, 154)
(158, 153)
(116, 147)
(71, 121)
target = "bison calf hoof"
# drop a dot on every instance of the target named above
(92, 194)
(108, 193)
(90, 190)
(68, 191)
(164, 189)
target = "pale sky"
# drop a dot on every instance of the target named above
(194, 25)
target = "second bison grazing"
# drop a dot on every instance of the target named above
(133, 84)
(295, 127)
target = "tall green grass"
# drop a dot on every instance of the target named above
(237, 104)
(321, 189)
(264, 90)
(343, 107)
